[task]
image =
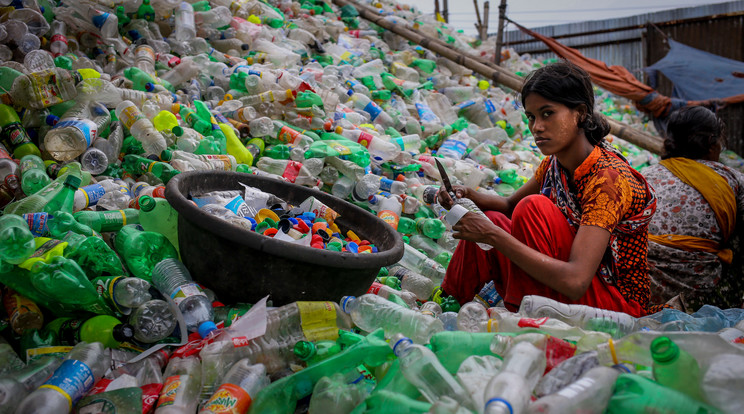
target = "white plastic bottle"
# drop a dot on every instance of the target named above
(578, 315)
(510, 390)
(185, 29)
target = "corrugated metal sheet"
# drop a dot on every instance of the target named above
(715, 28)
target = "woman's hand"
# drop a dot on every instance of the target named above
(476, 228)
(446, 201)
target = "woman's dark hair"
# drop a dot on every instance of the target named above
(568, 84)
(691, 132)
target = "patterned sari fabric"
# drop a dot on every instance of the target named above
(608, 193)
(689, 279)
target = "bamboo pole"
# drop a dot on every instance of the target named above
(490, 70)
(500, 33)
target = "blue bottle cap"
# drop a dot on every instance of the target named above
(352, 247)
(253, 223)
(52, 119)
(293, 221)
(205, 328)
(149, 87)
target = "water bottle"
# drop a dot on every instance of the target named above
(418, 284)
(172, 278)
(240, 385)
(461, 207)
(42, 89)
(152, 321)
(9, 360)
(589, 395)
(510, 390)
(83, 366)
(18, 242)
(370, 312)
(16, 385)
(422, 368)
(76, 130)
(417, 261)
(471, 316)
(140, 127)
(180, 393)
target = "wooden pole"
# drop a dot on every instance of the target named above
(437, 12)
(500, 32)
(484, 35)
(478, 24)
(490, 70)
(446, 10)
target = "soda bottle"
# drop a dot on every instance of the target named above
(140, 127)
(180, 393)
(23, 313)
(509, 391)
(33, 174)
(14, 135)
(292, 171)
(142, 250)
(64, 199)
(422, 368)
(37, 202)
(15, 386)
(105, 221)
(92, 254)
(126, 293)
(240, 385)
(90, 194)
(675, 368)
(152, 321)
(102, 328)
(636, 394)
(136, 166)
(76, 130)
(61, 281)
(83, 366)
(370, 312)
(18, 242)
(42, 89)
(172, 278)
(157, 215)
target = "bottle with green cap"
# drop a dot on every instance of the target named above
(314, 352)
(105, 221)
(157, 215)
(42, 89)
(136, 166)
(14, 135)
(675, 368)
(36, 202)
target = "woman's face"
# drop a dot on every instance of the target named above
(554, 125)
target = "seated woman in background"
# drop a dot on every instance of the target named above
(700, 203)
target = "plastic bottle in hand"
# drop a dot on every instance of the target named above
(422, 368)
(180, 393)
(172, 278)
(83, 366)
(18, 242)
(140, 127)
(510, 390)
(370, 312)
(241, 384)
(152, 321)
(461, 207)
(76, 130)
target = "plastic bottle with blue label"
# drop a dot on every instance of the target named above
(76, 130)
(456, 146)
(84, 366)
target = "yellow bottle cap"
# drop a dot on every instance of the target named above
(265, 213)
(254, 19)
(88, 73)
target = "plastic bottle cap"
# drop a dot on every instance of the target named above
(401, 340)
(146, 203)
(344, 301)
(123, 332)
(205, 328)
(502, 401)
(73, 181)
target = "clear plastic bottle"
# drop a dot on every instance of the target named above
(94, 160)
(16, 385)
(152, 321)
(83, 366)
(180, 393)
(589, 395)
(172, 278)
(370, 312)
(76, 130)
(421, 368)
(417, 261)
(141, 128)
(418, 284)
(240, 385)
(510, 390)
(471, 316)
(42, 89)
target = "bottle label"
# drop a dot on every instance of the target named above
(217, 161)
(318, 320)
(46, 87)
(36, 353)
(144, 52)
(88, 128)
(100, 386)
(464, 104)
(130, 115)
(170, 390)
(150, 394)
(72, 379)
(490, 107)
(228, 399)
(287, 135)
(69, 331)
(386, 184)
(373, 110)
(340, 148)
(15, 135)
(389, 217)
(17, 306)
(92, 193)
(37, 223)
(365, 138)
(454, 145)
(105, 286)
(238, 206)
(532, 323)
(58, 38)
(100, 20)
(425, 113)
(292, 171)
(266, 96)
(186, 291)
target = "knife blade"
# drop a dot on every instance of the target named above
(445, 180)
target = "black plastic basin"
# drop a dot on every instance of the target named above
(242, 266)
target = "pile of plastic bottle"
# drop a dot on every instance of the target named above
(105, 102)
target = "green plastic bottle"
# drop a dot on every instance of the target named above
(14, 135)
(142, 250)
(65, 198)
(94, 256)
(37, 202)
(17, 241)
(61, 222)
(157, 215)
(136, 166)
(636, 394)
(102, 328)
(314, 352)
(33, 174)
(675, 368)
(112, 220)
(62, 282)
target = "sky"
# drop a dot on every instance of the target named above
(536, 13)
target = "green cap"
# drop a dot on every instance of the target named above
(73, 181)
(307, 99)
(147, 203)
(177, 131)
(305, 350)
(664, 350)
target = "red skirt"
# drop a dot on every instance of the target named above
(539, 224)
